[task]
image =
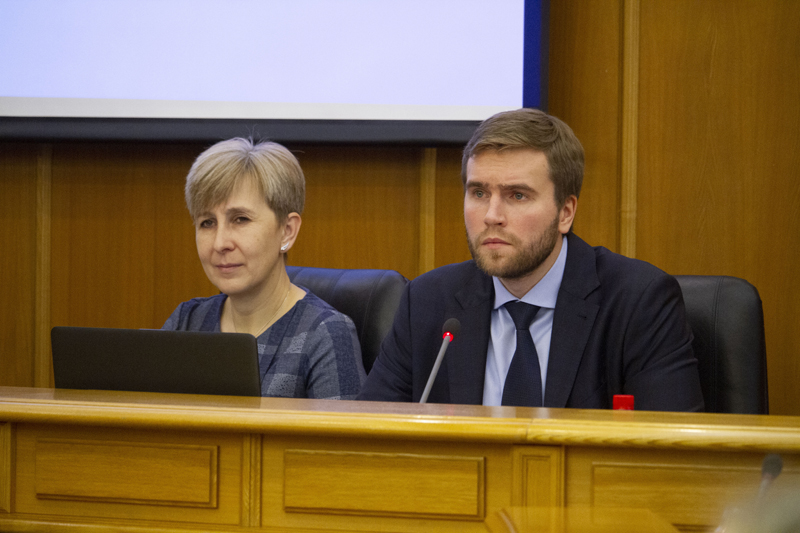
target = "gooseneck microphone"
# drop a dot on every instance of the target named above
(770, 469)
(450, 329)
(760, 511)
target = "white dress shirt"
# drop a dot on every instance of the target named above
(503, 339)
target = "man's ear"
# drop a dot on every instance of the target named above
(567, 214)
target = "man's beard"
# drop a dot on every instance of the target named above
(523, 262)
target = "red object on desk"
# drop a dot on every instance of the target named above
(623, 402)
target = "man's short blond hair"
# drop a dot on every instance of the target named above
(271, 167)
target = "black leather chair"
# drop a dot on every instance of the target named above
(728, 325)
(369, 297)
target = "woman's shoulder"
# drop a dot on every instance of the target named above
(313, 306)
(196, 314)
(330, 338)
(202, 302)
(318, 321)
(330, 363)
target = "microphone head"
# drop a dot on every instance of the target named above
(452, 326)
(772, 465)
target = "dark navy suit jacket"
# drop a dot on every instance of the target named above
(619, 328)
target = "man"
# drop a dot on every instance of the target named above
(591, 324)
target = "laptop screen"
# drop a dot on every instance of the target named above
(146, 360)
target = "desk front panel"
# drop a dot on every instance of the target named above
(166, 479)
(690, 489)
(87, 472)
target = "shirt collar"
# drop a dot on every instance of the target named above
(543, 294)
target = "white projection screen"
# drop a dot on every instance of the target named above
(311, 70)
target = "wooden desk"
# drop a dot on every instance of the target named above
(577, 520)
(87, 460)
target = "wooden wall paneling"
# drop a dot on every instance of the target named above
(18, 175)
(362, 208)
(585, 84)
(42, 358)
(102, 266)
(719, 149)
(630, 128)
(105, 250)
(427, 210)
(451, 240)
(179, 276)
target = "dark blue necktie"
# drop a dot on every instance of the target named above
(523, 387)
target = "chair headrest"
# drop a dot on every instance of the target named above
(368, 296)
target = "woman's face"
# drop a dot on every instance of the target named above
(239, 243)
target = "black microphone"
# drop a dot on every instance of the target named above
(770, 469)
(450, 329)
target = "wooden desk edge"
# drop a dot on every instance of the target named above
(398, 421)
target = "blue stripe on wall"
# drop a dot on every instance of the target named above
(535, 54)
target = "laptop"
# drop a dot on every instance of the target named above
(149, 360)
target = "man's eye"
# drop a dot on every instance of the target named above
(478, 194)
(519, 196)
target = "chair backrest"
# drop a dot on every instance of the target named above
(727, 320)
(369, 297)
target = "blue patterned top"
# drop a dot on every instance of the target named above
(310, 352)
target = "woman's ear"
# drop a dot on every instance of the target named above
(291, 228)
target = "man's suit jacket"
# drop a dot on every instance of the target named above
(619, 327)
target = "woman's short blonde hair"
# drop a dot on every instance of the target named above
(273, 168)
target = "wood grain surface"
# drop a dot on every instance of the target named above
(79, 460)
(511, 425)
(18, 263)
(585, 91)
(362, 208)
(719, 152)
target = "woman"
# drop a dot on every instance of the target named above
(245, 200)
